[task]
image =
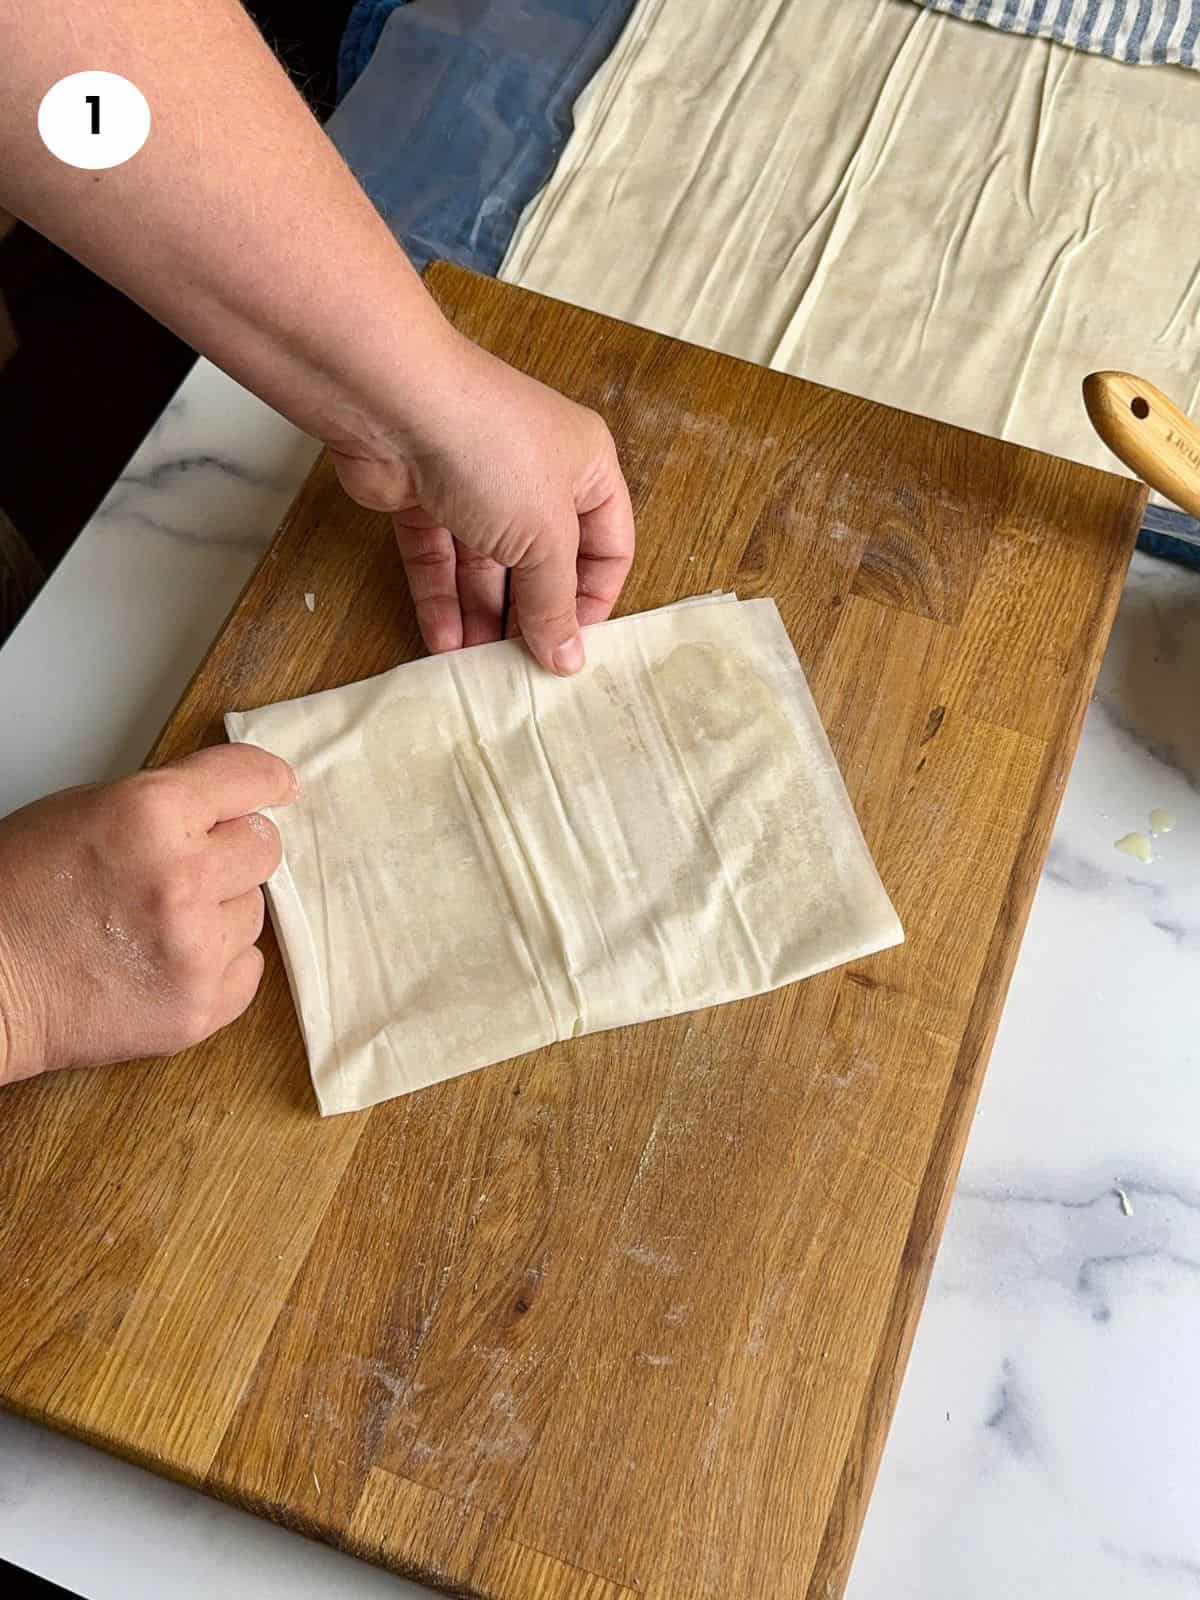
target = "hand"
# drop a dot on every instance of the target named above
(498, 471)
(129, 911)
(255, 243)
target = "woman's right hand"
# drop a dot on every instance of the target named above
(483, 469)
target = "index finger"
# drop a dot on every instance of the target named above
(543, 591)
(232, 780)
(606, 545)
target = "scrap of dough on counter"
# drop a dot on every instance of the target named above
(485, 858)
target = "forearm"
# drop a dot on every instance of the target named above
(237, 224)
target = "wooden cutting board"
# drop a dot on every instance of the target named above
(628, 1315)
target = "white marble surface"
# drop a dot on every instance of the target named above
(1047, 1442)
(95, 667)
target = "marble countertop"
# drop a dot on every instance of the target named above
(1047, 1440)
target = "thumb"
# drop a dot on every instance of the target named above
(543, 594)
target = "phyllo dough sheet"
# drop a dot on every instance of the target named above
(485, 858)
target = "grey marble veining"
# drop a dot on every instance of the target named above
(1047, 1441)
(95, 667)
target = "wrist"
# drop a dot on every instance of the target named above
(403, 366)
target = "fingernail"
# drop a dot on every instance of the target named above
(568, 658)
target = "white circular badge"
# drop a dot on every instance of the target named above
(94, 119)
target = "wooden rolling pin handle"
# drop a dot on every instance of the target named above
(1148, 432)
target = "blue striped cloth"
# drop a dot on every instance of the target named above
(1143, 32)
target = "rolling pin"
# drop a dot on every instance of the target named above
(1149, 433)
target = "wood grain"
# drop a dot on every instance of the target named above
(626, 1316)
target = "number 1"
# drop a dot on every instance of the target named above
(93, 100)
